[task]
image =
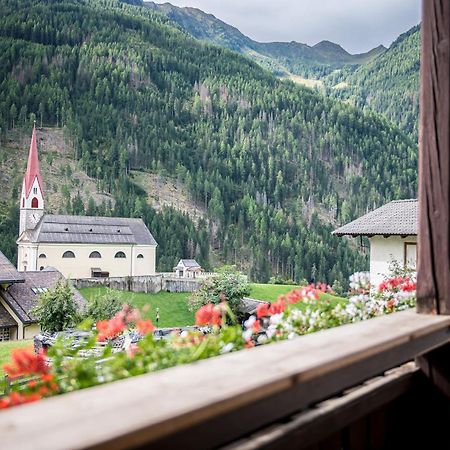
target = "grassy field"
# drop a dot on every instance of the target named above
(270, 292)
(5, 351)
(173, 309)
(173, 306)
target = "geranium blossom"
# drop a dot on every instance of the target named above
(26, 362)
(209, 315)
(144, 326)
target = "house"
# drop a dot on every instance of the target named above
(392, 233)
(78, 246)
(187, 268)
(19, 292)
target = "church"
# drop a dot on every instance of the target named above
(78, 246)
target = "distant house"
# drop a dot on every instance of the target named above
(19, 292)
(187, 268)
(78, 246)
(392, 233)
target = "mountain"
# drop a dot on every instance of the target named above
(282, 58)
(274, 166)
(388, 84)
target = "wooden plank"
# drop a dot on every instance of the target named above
(328, 417)
(433, 285)
(213, 401)
(436, 366)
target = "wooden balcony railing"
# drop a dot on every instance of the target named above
(220, 401)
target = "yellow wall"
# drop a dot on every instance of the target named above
(81, 265)
(32, 330)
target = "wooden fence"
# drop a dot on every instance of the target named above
(224, 401)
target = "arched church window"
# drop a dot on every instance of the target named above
(23, 203)
(35, 203)
(120, 255)
(140, 255)
(95, 255)
(35, 190)
(68, 254)
(42, 255)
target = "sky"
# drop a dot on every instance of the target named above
(357, 25)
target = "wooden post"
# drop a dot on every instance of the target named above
(433, 289)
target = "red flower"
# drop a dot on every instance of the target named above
(256, 326)
(109, 329)
(26, 362)
(144, 326)
(278, 307)
(262, 310)
(209, 315)
(17, 398)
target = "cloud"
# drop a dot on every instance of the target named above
(357, 25)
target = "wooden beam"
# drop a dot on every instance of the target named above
(323, 420)
(433, 290)
(213, 402)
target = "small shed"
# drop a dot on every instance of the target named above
(392, 233)
(187, 268)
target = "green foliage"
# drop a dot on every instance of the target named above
(56, 309)
(389, 84)
(275, 166)
(229, 286)
(103, 307)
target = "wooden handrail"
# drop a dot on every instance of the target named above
(213, 402)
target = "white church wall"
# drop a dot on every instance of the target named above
(81, 265)
(385, 250)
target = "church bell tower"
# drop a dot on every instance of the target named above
(32, 197)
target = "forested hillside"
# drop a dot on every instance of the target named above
(281, 58)
(273, 164)
(389, 84)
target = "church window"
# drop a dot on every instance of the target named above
(120, 255)
(35, 203)
(35, 190)
(23, 203)
(42, 255)
(95, 255)
(140, 255)
(68, 254)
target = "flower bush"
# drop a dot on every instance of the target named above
(95, 360)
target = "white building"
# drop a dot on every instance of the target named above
(187, 268)
(78, 246)
(392, 233)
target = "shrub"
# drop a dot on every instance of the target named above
(103, 307)
(229, 286)
(56, 309)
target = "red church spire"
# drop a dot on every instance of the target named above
(33, 170)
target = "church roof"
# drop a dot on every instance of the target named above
(33, 170)
(397, 218)
(8, 273)
(91, 230)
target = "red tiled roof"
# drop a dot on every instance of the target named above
(33, 170)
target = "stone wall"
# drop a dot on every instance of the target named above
(151, 284)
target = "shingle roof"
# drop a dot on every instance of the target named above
(23, 297)
(8, 273)
(397, 218)
(92, 230)
(191, 263)
(6, 320)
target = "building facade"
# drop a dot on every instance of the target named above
(78, 246)
(392, 233)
